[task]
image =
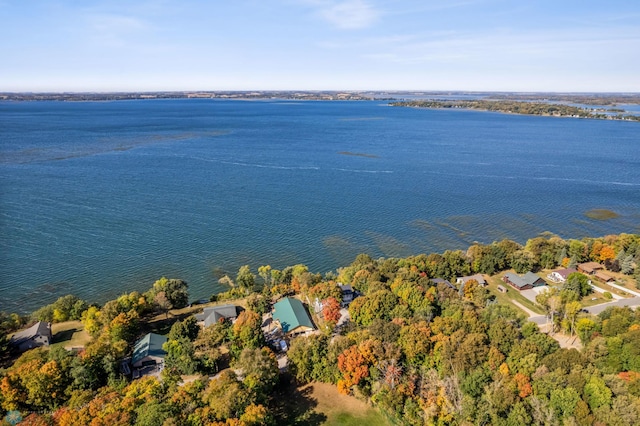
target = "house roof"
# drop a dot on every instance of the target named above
(522, 281)
(345, 288)
(291, 314)
(564, 273)
(603, 276)
(213, 314)
(590, 266)
(40, 328)
(443, 281)
(149, 345)
(478, 277)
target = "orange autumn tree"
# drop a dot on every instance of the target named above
(353, 366)
(607, 253)
(331, 309)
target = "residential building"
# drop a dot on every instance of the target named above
(477, 277)
(604, 277)
(39, 334)
(292, 316)
(590, 268)
(524, 282)
(348, 294)
(213, 314)
(148, 351)
(561, 275)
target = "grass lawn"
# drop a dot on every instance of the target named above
(69, 334)
(321, 404)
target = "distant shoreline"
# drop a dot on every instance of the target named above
(521, 108)
(609, 99)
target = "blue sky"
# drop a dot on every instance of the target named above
(87, 45)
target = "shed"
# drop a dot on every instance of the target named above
(148, 351)
(292, 316)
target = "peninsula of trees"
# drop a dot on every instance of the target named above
(520, 107)
(426, 342)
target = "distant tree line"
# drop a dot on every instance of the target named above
(518, 107)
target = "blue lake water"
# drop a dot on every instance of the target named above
(100, 198)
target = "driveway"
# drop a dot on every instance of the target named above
(532, 293)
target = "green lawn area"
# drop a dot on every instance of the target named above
(321, 404)
(69, 334)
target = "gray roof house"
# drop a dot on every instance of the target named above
(525, 282)
(478, 277)
(148, 351)
(348, 294)
(214, 314)
(35, 336)
(437, 281)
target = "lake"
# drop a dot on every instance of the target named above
(102, 198)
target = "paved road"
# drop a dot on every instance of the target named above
(632, 303)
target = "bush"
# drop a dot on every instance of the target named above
(607, 295)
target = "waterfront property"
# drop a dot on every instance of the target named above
(524, 282)
(292, 316)
(214, 314)
(348, 294)
(39, 334)
(148, 354)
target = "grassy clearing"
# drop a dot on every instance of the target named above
(321, 404)
(69, 334)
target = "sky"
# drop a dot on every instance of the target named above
(466, 45)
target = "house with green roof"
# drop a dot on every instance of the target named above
(292, 316)
(148, 351)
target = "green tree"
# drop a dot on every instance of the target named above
(246, 332)
(308, 359)
(176, 291)
(564, 401)
(226, 396)
(259, 369)
(265, 273)
(597, 393)
(522, 261)
(180, 358)
(187, 329)
(245, 279)
(571, 311)
(578, 283)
